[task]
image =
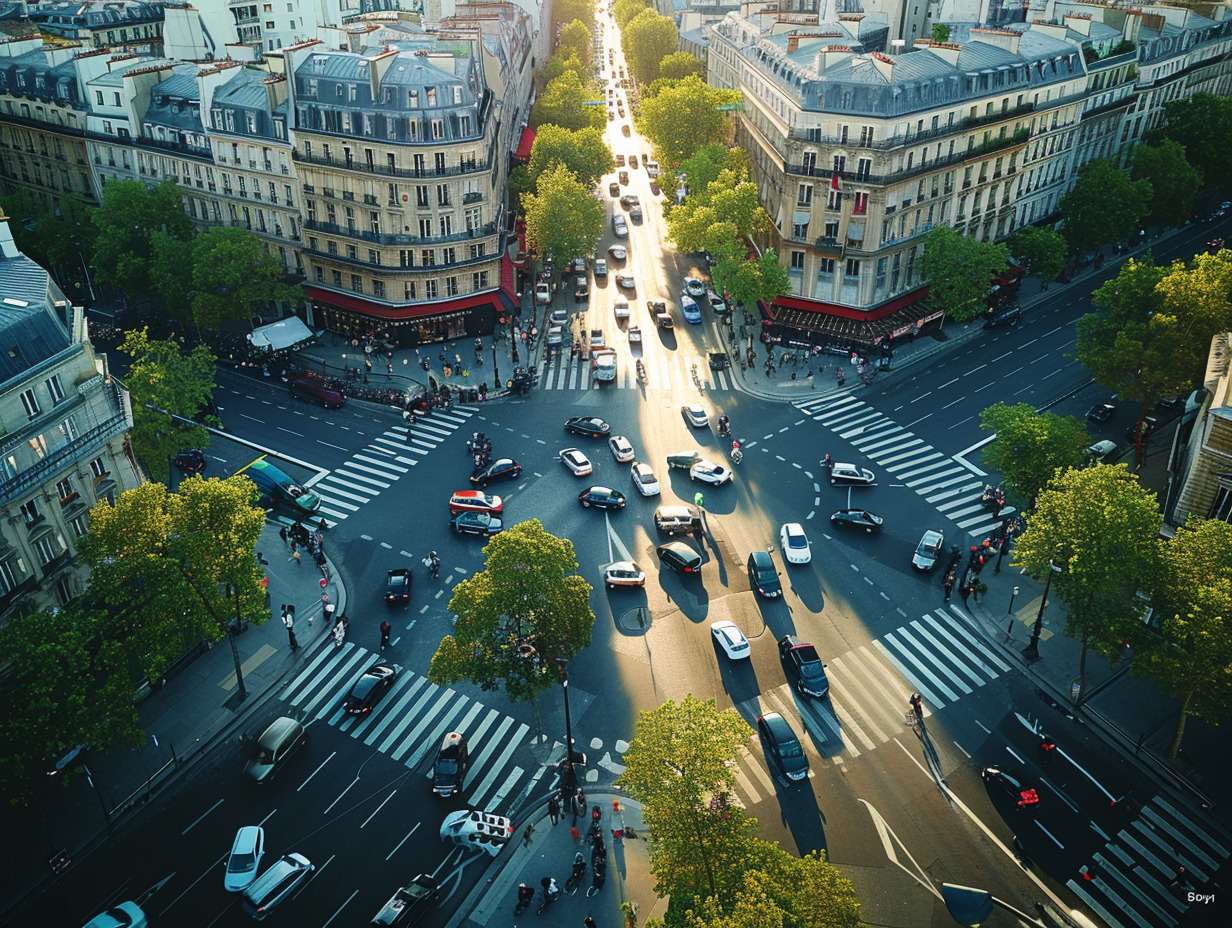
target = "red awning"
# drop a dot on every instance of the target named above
(524, 146)
(848, 312)
(901, 316)
(358, 304)
(507, 282)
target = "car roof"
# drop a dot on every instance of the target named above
(762, 558)
(777, 726)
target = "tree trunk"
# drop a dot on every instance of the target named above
(1082, 660)
(1175, 748)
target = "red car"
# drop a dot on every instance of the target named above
(475, 501)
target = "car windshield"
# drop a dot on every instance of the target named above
(446, 766)
(791, 749)
(363, 687)
(796, 541)
(242, 863)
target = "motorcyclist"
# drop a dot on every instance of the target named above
(525, 895)
(724, 425)
(735, 445)
(434, 564)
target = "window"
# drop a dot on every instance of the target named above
(852, 269)
(479, 281)
(427, 257)
(30, 512)
(825, 267)
(68, 428)
(429, 289)
(65, 489)
(352, 252)
(54, 388)
(378, 288)
(38, 444)
(804, 195)
(336, 276)
(405, 258)
(408, 289)
(446, 225)
(421, 195)
(45, 550)
(451, 286)
(79, 525)
(319, 273)
(8, 582)
(834, 199)
(797, 260)
(450, 256)
(357, 283)
(98, 468)
(30, 403)
(425, 228)
(442, 195)
(799, 230)
(374, 256)
(861, 204)
(64, 591)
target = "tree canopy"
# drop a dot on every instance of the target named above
(624, 10)
(584, 153)
(62, 240)
(574, 39)
(683, 117)
(1202, 125)
(748, 280)
(1106, 205)
(1100, 527)
(647, 39)
(518, 616)
(562, 215)
(233, 275)
(959, 270)
(566, 11)
(174, 384)
(563, 103)
(127, 221)
(1174, 181)
(679, 65)
(563, 61)
(1030, 446)
(1043, 252)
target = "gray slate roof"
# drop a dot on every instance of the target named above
(28, 334)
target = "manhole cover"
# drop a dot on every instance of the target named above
(635, 621)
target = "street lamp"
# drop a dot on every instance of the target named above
(1031, 651)
(495, 369)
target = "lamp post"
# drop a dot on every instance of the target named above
(495, 369)
(1031, 651)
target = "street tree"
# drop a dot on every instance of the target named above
(574, 39)
(1174, 181)
(625, 10)
(562, 215)
(567, 11)
(1043, 252)
(647, 39)
(1105, 205)
(959, 270)
(1096, 530)
(68, 683)
(520, 619)
(682, 118)
(168, 388)
(563, 103)
(126, 221)
(731, 198)
(233, 276)
(941, 33)
(1202, 124)
(61, 240)
(1191, 653)
(1030, 446)
(584, 153)
(564, 61)
(171, 274)
(679, 65)
(749, 280)
(708, 162)
(681, 767)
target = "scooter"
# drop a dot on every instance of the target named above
(641, 371)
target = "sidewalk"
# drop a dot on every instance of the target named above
(550, 853)
(195, 709)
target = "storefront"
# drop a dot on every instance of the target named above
(799, 323)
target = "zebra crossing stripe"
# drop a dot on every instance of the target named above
(362, 478)
(411, 714)
(1163, 825)
(961, 667)
(351, 658)
(490, 745)
(898, 443)
(478, 797)
(1216, 849)
(378, 463)
(442, 727)
(919, 672)
(394, 712)
(412, 737)
(335, 492)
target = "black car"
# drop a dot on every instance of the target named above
(762, 575)
(590, 426)
(190, 462)
(1013, 785)
(719, 361)
(1008, 319)
(370, 689)
(805, 663)
(1101, 412)
(452, 762)
(398, 586)
(680, 557)
(476, 523)
(499, 469)
(783, 749)
(1148, 427)
(602, 497)
(857, 518)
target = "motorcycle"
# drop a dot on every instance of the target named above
(479, 444)
(724, 427)
(641, 371)
(551, 892)
(992, 497)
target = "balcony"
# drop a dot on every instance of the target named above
(460, 169)
(400, 239)
(829, 246)
(912, 138)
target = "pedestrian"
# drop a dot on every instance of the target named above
(295, 552)
(526, 835)
(288, 620)
(553, 810)
(698, 499)
(386, 628)
(964, 590)
(812, 386)
(282, 533)
(827, 462)
(949, 586)
(575, 834)
(577, 805)
(917, 705)
(588, 922)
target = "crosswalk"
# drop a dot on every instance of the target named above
(673, 371)
(1136, 867)
(950, 485)
(385, 459)
(412, 719)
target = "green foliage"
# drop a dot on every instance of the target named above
(518, 616)
(1106, 205)
(1041, 251)
(162, 377)
(783, 890)
(1031, 446)
(1191, 655)
(1101, 528)
(171, 273)
(625, 10)
(127, 221)
(1174, 181)
(564, 61)
(708, 162)
(959, 271)
(585, 153)
(59, 240)
(682, 118)
(67, 684)
(520, 182)
(566, 11)
(1202, 125)
(647, 39)
(173, 569)
(562, 215)
(562, 103)
(747, 281)
(731, 199)
(575, 40)
(233, 275)
(679, 65)
(941, 32)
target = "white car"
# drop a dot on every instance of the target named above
(577, 463)
(717, 303)
(644, 479)
(795, 544)
(1101, 449)
(600, 267)
(694, 287)
(622, 448)
(625, 279)
(928, 550)
(708, 472)
(482, 831)
(618, 252)
(849, 473)
(731, 639)
(543, 294)
(620, 228)
(695, 415)
(121, 915)
(623, 573)
(244, 859)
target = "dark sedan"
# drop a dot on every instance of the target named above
(476, 523)
(1101, 412)
(602, 497)
(1013, 785)
(857, 518)
(499, 469)
(590, 426)
(398, 586)
(680, 557)
(1149, 424)
(190, 462)
(370, 689)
